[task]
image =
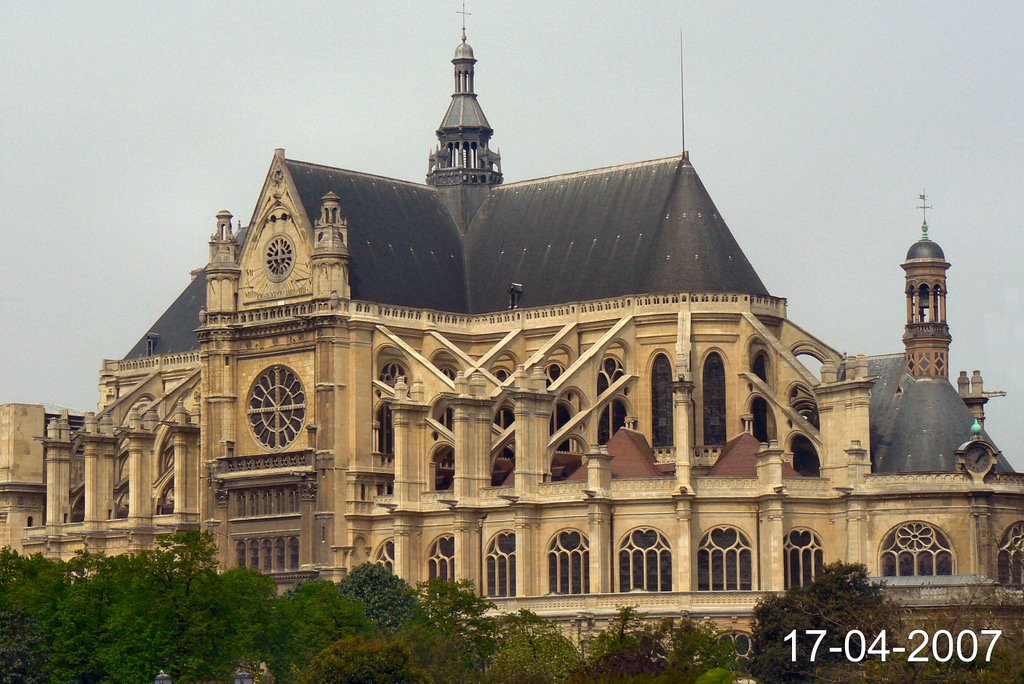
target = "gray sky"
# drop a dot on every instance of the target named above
(126, 126)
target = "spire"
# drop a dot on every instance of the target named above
(463, 155)
(926, 335)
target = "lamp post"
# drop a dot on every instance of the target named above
(164, 678)
(243, 676)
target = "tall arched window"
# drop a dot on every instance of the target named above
(724, 561)
(760, 366)
(444, 468)
(804, 558)
(501, 565)
(267, 554)
(645, 561)
(763, 423)
(441, 560)
(613, 417)
(569, 563)
(254, 554)
(805, 457)
(165, 504)
(713, 381)
(240, 554)
(661, 401)
(916, 548)
(386, 555)
(279, 554)
(1011, 555)
(385, 430)
(293, 553)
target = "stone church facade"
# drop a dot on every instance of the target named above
(565, 389)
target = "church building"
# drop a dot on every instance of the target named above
(566, 390)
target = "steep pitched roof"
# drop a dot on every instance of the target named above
(176, 327)
(633, 229)
(631, 456)
(405, 248)
(916, 425)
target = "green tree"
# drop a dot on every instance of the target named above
(359, 660)
(531, 650)
(839, 600)
(22, 651)
(307, 619)
(388, 600)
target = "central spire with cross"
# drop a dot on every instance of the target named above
(463, 156)
(464, 14)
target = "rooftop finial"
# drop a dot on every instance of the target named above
(924, 214)
(976, 428)
(463, 12)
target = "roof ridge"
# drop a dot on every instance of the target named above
(590, 172)
(360, 173)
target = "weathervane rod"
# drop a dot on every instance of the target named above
(682, 98)
(463, 12)
(924, 212)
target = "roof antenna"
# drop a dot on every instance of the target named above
(463, 12)
(682, 101)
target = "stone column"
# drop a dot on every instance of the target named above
(682, 396)
(533, 414)
(472, 438)
(602, 552)
(982, 538)
(307, 508)
(682, 575)
(57, 447)
(527, 552)
(467, 547)
(409, 421)
(770, 545)
(140, 474)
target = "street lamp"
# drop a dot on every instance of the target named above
(243, 676)
(164, 678)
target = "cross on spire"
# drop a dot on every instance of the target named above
(924, 213)
(463, 12)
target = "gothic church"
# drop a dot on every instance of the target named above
(564, 389)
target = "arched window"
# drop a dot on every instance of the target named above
(385, 430)
(804, 558)
(165, 504)
(390, 372)
(279, 554)
(713, 382)
(386, 555)
(561, 414)
(504, 466)
(763, 422)
(444, 468)
(1011, 555)
(805, 457)
(802, 401)
(121, 502)
(240, 554)
(739, 641)
(923, 304)
(293, 553)
(661, 401)
(613, 417)
(268, 555)
(611, 370)
(501, 565)
(724, 561)
(254, 554)
(916, 548)
(167, 459)
(759, 367)
(441, 561)
(553, 372)
(569, 563)
(78, 508)
(505, 416)
(645, 561)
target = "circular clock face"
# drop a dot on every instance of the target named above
(280, 257)
(976, 458)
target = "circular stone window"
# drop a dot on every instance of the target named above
(277, 407)
(280, 257)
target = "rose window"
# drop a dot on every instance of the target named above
(280, 257)
(916, 548)
(277, 407)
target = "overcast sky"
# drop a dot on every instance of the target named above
(125, 127)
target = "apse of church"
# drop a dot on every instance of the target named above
(375, 370)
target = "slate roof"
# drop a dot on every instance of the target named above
(176, 327)
(648, 227)
(633, 229)
(464, 112)
(405, 248)
(916, 425)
